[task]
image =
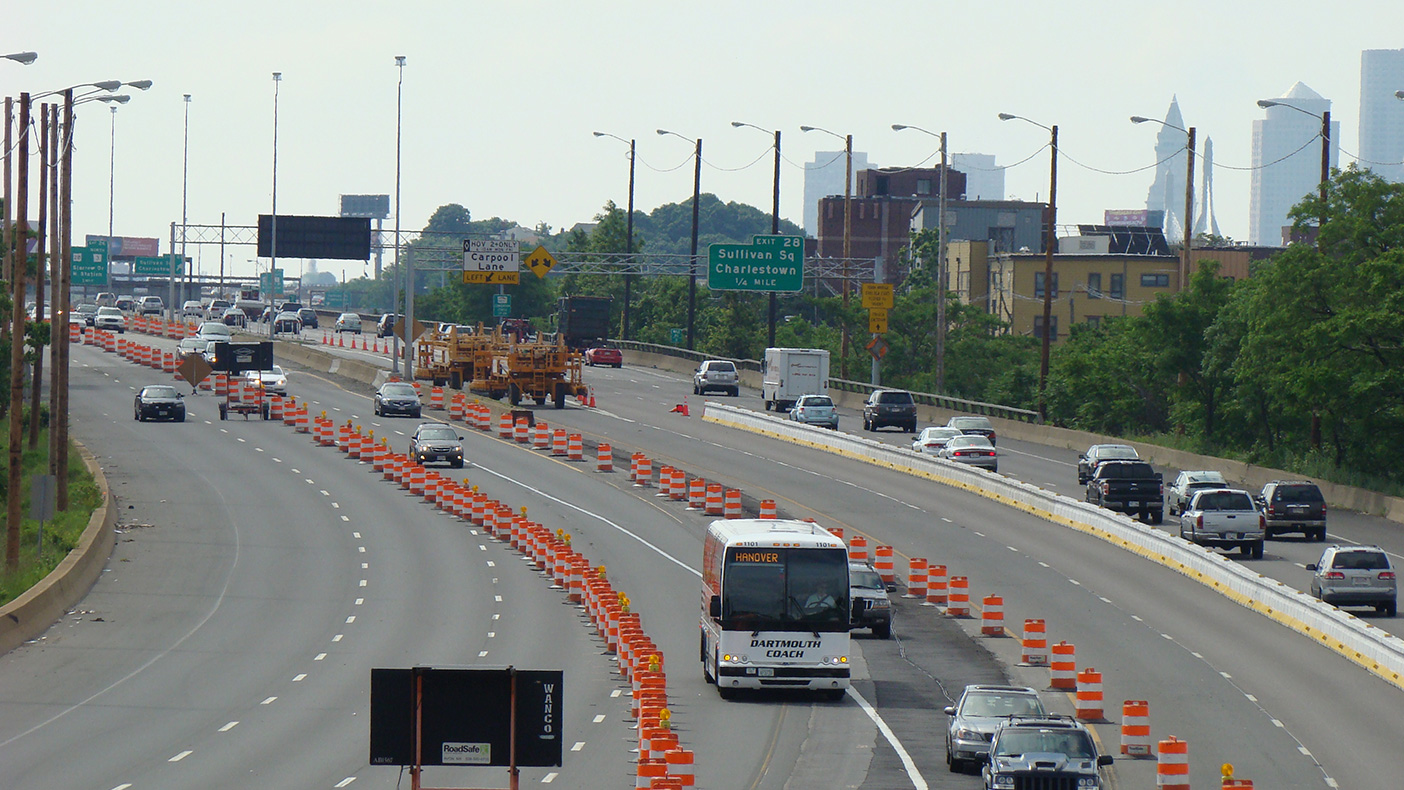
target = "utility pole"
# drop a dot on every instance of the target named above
(64, 247)
(40, 253)
(17, 250)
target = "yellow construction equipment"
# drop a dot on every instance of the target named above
(495, 364)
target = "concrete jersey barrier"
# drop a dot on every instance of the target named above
(1379, 653)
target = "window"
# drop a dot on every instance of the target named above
(1094, 285)
(1094, 321)
(1038, 285)
(1038, 328)
(923, 186)
(1118, 286)
(1155, 281)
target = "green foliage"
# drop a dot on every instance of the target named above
(61, 533)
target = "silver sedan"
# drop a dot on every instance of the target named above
(971, 449)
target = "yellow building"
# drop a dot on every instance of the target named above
(1086, 287)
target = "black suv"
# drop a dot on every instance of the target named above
(1043, 751)
(890, 407)
(308, 316)
(1295, 506)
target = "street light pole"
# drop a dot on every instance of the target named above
(111, 179)
(1050, 243)
(395, 303)
(629, 232)
(692, 261)
(847, 236)
(273, 245)
(942, 278)
(774, 222)
(1189, 197)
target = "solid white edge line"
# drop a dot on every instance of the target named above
(908, 764)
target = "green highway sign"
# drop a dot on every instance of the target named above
(89, 265)
(270, 284)
(160, 266)
(768, 263)
(501, 305)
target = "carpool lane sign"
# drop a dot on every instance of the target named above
(768, 263)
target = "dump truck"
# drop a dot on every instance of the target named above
(583, 321)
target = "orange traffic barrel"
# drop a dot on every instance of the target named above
(1089, 695)
(732, 506)
(1035, 644)
(1063, 667)
(767, 508)
(884, 565)
(992, 615)
(936, 585)
(715, 503)
(696, 494)
(958, 600)
(1135, 728)
(575, 447)
(1172, 764)
(858, 548)
(604, 458)
(541, 436)
(679, 490)
(558, 442)
(916, 578)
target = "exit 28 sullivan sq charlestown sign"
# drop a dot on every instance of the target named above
(768, 263)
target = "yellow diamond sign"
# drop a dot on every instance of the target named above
(540, 261)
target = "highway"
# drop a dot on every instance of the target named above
(245, 515)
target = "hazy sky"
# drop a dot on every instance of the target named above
(500, 98)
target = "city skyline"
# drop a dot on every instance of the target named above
(500, 101)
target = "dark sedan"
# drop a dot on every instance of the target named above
(159, 402)
(435, 442)
(397, 397)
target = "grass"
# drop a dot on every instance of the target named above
(61, 533)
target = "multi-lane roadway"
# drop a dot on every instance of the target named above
(259, 578)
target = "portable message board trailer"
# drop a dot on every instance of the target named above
(234, 359)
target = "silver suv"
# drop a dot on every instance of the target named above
(1355, 576)
(871, 606)
(1044, 751)
(716, 374)
(975, 716)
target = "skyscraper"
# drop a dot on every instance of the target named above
(1381, 114)
(1287, 160)
(984, 180)
(1167, 192)
(824, 177)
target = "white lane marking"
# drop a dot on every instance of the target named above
(599, 718)
(1137, 618)
(1276, 723)
(320, 657)
(491, 564)
(481, 547)
(344, 782)
(918, 781)
(1075, 581)
(614, 693)
(596, 516)
(298, 472)
(1167, 636)
(268, 701)
(363, 583)
(123, 786)
(360, 601)
(356, 535)
(344, 518)
(258, 449)
(577, 746)
(1304, 750)
(549, 778)
(612, 414)
(365, 565)
(309, 481)
(361, 549)
(187, 752)
(496, 616)
(299, 677)
(948, 521)
(238, 439)
(277, 460)
(482, 654)
(336, 505)
(491, 634)
(231, 725)
(351, 619)
(1103, 600)
(337, 638)
(1043, 564)
(1011, 548)
(1226, 676)
(324, 492)
(497, 598)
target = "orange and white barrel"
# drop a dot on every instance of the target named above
(436, 398)
(221, 384)
(275, 408)
(696, 494)
(1238, 784)
(1135, 728)
(732, 508)
(1172, 764)
(681, 766)
(916, 578)
(304, 422)
(1089, 695)
(604, 458)
(715, 503)
(521, 430)
(1035, 644)
(678, 492)
(457, 407)
(936, 585)
(541, 436)
(958, 600)
(558, 442)
(645, 473)
(575, 447)
(767, 508)
(992, 615)
(647, 771)
(884, 564)
(504, 426)
(858, 549)
(1063, 667)
(665, 481)
(418, 477)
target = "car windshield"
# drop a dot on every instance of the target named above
(973, 423)
(1070, 743)
(87, 308)
(398, 391)
(1116, 451)
(993, 703)
(191, 344)
(894, 397)
(213, 329)
(1224, 500)
(816, 400)
(161, 391)
(969, 441)
(1298, 494)
(437, 433)
(1360, 561)
(109, 311)
(865, 579)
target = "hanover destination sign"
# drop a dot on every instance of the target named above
(768, 263)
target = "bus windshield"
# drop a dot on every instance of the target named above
(774, 589)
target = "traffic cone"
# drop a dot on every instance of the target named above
(340, 341)
(681, 408)
(591, 395)
(325, 341)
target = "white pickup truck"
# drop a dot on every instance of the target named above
(1224, 518)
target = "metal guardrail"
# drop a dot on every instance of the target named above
(845, 385)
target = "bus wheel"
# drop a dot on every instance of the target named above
(834, 695)
(726, 693)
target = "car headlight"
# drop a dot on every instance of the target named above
(967, 734)
(881, 603)
(834, 660)
(1002, 781)
(1088, 781)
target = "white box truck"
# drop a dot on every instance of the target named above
(788, 373)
